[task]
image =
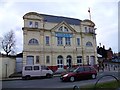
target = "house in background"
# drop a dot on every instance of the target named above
(58, 42)
(7, 65)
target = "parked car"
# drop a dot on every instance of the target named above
(30, 71)
(81, 72)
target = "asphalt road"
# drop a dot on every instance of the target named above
(55, 82)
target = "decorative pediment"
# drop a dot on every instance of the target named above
(63, 27)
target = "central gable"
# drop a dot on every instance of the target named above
(63, 27)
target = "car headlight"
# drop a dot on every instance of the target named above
(65, 75)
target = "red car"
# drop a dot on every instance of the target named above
(82, 72)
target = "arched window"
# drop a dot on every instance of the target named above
(69, 61)
(65, 29)
(60, 29)
(89, 44)
(60, 61)
(33, 41)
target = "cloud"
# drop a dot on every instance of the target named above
(104, 14)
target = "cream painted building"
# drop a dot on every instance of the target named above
(58, 42)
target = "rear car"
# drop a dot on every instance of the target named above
(30, 71)
(81, 72)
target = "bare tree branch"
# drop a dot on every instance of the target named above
(8, 42)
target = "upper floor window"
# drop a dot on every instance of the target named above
(30, 24)
(65, 29)
(67, 41)
(60, 29)
(86, 30)
(60, 40)
(78, 41)
(47, 40)
(36, 24)
(89, 44)
(33, 42)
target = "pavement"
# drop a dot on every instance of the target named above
(20, 78)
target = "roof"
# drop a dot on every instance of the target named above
(55, 19)
(20, 55)
(58, 19)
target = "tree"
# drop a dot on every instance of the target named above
(8, 42)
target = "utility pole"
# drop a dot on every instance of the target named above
(89, 13)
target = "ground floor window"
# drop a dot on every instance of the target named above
(79, 60)
(37, 59)
(47, 59)
(30, 60)
(60, 61)
(87, 58)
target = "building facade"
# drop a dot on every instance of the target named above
(58, 42)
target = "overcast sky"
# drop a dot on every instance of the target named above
(104, 14)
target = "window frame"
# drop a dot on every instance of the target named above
(59, 41)
(78, 41)
(30, 24)
(36, 24)
(89, 44)
(33, 41)
(47, 40)
(79, 60)
(47, 59)
(67, 41)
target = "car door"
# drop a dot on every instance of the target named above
(36, 71)
(80, 73)
(87, 72)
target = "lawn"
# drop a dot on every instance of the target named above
(111, 85)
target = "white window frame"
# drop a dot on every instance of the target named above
(59, 41)
(67, 41)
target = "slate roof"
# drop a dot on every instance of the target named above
(58, 19)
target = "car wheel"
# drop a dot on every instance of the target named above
(93, 76)
(72, 79)
(27, 77)
(48, 75)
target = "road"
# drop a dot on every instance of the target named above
(55, 82)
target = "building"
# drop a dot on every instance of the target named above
(58, 42)
(7, 64)
(19, 64)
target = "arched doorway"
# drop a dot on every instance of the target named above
(60, 61)
(69, 61)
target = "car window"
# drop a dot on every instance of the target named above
(87, 68)
(28, 68)
(44, 68)
(80, 69)
(92, 69)
(36, 67)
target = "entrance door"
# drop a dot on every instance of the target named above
(92, 60)
(60, 61)
(69, 61)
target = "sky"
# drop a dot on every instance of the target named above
(104, 13)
